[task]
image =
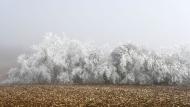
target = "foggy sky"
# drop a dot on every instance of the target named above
(154, 23)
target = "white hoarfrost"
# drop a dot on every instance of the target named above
(59, 60)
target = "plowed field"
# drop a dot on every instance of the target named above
(93, 96)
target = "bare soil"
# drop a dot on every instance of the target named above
(93, 96)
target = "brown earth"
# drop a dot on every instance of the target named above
(94, 95)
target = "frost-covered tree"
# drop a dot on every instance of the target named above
(135, 65)
(60, 60)
(130, 61)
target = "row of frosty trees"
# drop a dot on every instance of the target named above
(59, 60)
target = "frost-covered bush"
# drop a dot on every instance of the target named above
(61, 60)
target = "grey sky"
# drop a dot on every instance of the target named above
(153, 22)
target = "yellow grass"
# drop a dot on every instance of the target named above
(94, 95)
